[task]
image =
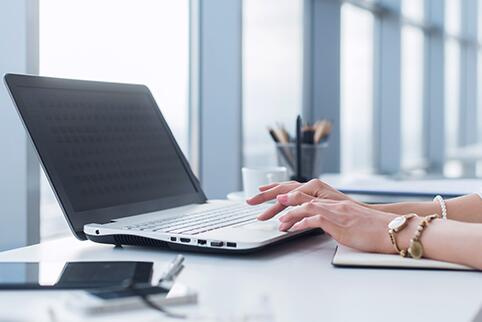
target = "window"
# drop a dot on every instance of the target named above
(412, 87)
(142, 41)
(413, 10)
(356, 89)
(453, 52)
(272, 73)
(453, 16)
(452, 92)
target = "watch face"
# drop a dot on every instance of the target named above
(397, 223)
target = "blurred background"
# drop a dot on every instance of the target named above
(399, 79)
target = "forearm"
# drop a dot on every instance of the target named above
(449, 241)
(467, 208)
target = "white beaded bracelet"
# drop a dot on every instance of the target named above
(441, 201)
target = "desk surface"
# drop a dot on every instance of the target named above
(298, 279)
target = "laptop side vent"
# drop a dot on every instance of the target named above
(138, 241)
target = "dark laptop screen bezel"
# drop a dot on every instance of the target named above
(77, 219)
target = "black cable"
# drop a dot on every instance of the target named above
(159, 308)
(143, 294)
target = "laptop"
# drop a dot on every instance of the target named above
(119, 175)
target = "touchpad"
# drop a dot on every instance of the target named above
(270, 225)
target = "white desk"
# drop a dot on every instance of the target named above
(298, 277)
(384, 185)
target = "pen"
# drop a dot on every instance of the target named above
(283, 150)
(174, 269)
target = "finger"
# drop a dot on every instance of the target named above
(294, 198)
(318, 221)
(275, 184)
(268, 186)
(312, 187)
(270, 194)
(310, 209)
(296, 215)
(308, 188)
(271, 211)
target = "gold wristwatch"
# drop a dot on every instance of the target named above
(395, 226)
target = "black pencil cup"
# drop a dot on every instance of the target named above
(311, 158)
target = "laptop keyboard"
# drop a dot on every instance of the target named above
(202, 221)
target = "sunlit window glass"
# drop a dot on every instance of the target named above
(412, 97)
(272, 73)
(131, 41)
(356, 89)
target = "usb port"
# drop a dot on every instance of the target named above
(173, 238)
(201, 242)
(217, 244)
(185, 240)
(231, 244)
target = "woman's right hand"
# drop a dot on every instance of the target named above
(293, 193)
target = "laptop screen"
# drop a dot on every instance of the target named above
(106, 148)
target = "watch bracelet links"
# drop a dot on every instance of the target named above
(393, 239)
(415, 249)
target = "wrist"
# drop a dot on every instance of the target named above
(386, 245)
(401, 230)
(379, 207)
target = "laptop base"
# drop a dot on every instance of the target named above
(130, 240)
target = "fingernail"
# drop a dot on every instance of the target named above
(282, 218)
(282, 227)
(282, 198)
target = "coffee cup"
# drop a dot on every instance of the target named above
(253, 178)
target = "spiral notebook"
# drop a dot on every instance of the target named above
(348, 257)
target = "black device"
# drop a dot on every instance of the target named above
(73, 275)
(118, 173)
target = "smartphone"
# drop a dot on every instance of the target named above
(73, 275)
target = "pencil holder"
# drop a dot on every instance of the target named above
(311, 158)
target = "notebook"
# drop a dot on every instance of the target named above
(348, 257)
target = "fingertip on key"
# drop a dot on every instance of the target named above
(282, 199)
(282, 227)
(261, 218)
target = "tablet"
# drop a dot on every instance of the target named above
(73, 275)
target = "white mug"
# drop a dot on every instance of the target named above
(253, 178)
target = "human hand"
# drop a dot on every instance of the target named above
(293, 193)
(349, 223)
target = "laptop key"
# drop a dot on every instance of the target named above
(195, 223)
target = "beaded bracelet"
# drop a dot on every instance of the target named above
(415, 250)
(443, 206)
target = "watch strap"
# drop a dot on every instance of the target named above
(393, 238)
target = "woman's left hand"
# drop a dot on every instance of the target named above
(347, 222)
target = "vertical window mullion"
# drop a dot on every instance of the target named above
(434, 119)
(216, 94)
(467, 123)
(387, 105)
(19, 168)
(321, 92)
(468, 86)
